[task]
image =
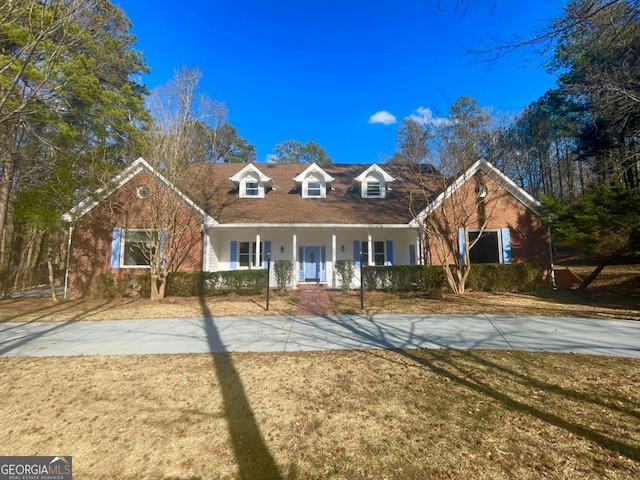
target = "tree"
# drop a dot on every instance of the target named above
(68, 102)
(465, 136)
(604, 222)
(412, 143)
(186, 126)
(469, 203)
(293, 151)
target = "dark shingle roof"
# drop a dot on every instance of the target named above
(342, 205)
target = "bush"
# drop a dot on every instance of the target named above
(191, 284)
(346, 272)
(284, 272)
(515, 277)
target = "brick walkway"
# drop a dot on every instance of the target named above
(314, 301)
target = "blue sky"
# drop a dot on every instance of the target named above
(319, 71)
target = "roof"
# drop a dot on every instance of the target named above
(343, 204)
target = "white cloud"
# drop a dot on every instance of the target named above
(382, 117)
(271, 158)
(424, 116)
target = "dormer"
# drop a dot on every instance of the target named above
(313, 182)
(373, 182)
(251, 182)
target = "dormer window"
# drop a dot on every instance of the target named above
(373, 182)
(251, 182)
(314, 189)
(373, 188)
(252, 188)
(313, 182)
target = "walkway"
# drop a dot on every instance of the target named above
(314, 301)
(287, 334)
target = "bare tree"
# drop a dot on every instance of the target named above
(185, 123)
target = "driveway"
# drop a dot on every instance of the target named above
(306, 333)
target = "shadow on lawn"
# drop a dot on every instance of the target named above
(251, 453)
(447, 366)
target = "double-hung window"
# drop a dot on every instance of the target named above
(314, 189)
(379, 254)
(246, 253)
(251, 189)
(373, 189)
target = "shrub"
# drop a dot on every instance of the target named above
(483, 277)
(284, 272)
(346, 272)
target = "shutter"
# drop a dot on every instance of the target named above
(163, 239)
(115, 247)
(356, 253)
(506, 245)
(267, 249)
(389, 252)
(323, 263)
(412, 254)
(233, 259)
(462, 243)
(301, 264)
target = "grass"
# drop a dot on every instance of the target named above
(405, 414)
(374, 414)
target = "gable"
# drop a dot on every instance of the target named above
(495, 175)
(129, 174)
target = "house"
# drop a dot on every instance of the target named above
(232, 215)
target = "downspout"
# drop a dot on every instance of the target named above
(66, 270)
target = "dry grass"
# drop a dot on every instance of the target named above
(419, 414)
(43, 310)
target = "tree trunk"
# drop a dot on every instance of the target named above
(594, 274)
(158, 286)
(52, 277)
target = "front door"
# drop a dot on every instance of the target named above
(312, 264)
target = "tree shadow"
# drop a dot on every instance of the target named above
(251, 453)
(446, 366)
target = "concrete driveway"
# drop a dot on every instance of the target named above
(306, 333)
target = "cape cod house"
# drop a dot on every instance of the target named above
(308, 214)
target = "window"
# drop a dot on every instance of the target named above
(138, 247)
(314, 189)
(246, 253)
(378, 253)
(379, 256)
(487, 249)
(373, 189)
(252, 189)
(142, 191)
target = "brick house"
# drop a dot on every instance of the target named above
(232, 215)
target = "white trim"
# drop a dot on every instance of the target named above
(240, 179)
(314, 225)
(495, 174)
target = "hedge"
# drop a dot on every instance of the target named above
(515, 277)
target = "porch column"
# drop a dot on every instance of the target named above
(419, 254)
(333, 260)
(370, 249)
(256, 262)
(294, 257)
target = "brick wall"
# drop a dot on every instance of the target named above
(499, 209)
(91, 236)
